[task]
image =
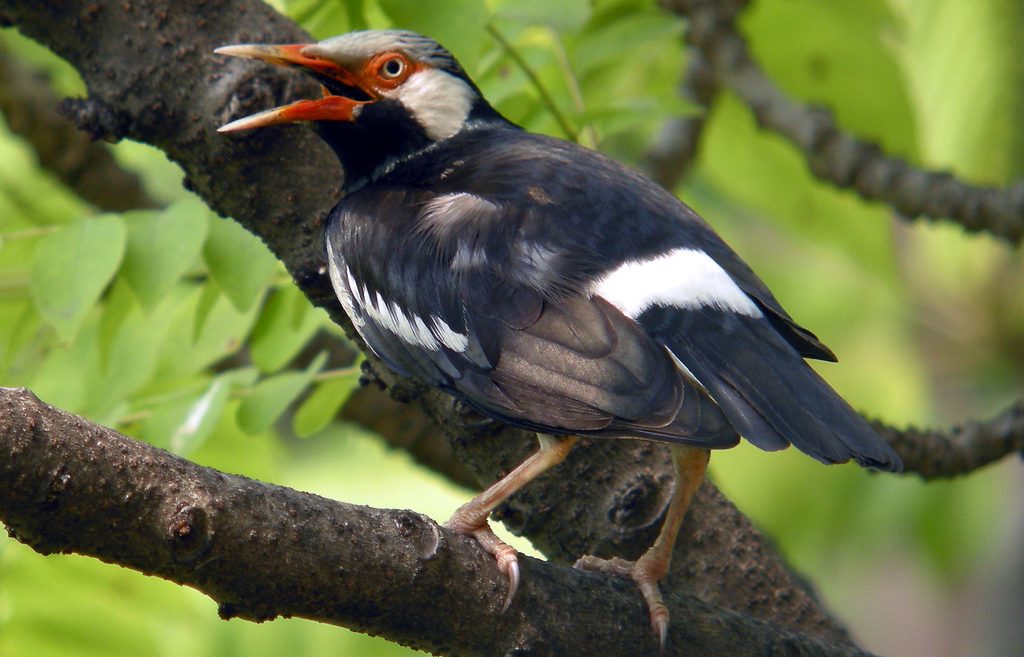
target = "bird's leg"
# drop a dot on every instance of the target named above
(690, 465)
(471, 517)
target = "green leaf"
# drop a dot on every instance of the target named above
(224, 331)
(238, 261)
(565, 15)
(325, 19)
(71, 268)
(271, 396)
(132, 350)
(63, 377)
(958, 130)
(183, 425)
(323, 403)
(616, 42)
(286, 323)
(207, 300)
(201, 416)
(162, 246)
(118, 304)
(457, 24)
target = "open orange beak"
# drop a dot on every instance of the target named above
(333, 78)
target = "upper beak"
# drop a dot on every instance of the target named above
(329, 108)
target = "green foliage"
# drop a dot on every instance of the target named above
(162, 247)
(271, 396)
(285, 326)
(238, 262)
(323, 403)
(180, 328)
(70, 268)
(459, 24)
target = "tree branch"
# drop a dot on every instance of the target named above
(674, 151)
(836, 156)
(71, 485)
(85, 166)
(963, 449)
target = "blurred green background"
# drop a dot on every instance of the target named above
(199, 348)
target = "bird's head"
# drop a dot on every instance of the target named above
(391, 91)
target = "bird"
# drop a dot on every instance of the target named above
(548, 286)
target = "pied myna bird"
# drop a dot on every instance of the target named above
(548, 286)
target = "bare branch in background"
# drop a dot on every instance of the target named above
(87, 167)
(673, 153)
(961, 450)
(836, 156)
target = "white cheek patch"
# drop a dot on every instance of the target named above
(439, 101)
(680, 278)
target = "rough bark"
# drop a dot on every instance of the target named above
(263, 551)
(933, 454)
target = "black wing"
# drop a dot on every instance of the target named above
(596, 211)
(552, 220)
(768, 392)
(556, 364)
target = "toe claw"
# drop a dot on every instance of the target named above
(659, 623)
(508, 563)
(512, 570)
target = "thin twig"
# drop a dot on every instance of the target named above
(531, 75)
(588, 130)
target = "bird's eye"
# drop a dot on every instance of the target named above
(392, 68)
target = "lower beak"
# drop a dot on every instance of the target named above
(329, 108)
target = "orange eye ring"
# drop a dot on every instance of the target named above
(388, 70)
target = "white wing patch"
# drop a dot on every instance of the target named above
(343, 289)
(448, 336)
(682, 278)
(439, 101)
(410, 328)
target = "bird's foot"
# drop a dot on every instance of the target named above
(504, 554)
(645, 572)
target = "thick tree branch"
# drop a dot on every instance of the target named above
(71, 485)
(963, 449)
(836, 156)
(84, 165)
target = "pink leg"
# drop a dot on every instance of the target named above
(649, 569)
(471, 517)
